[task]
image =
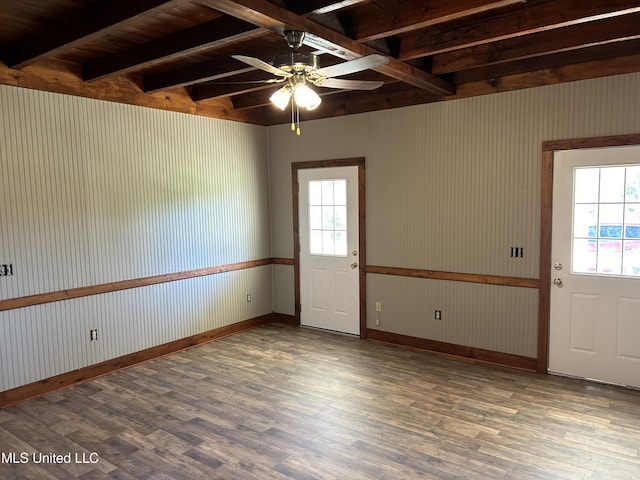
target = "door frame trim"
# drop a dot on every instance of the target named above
(546, 210)
(344, 162)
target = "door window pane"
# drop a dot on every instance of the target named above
(315, 193)
(585, 255)
(606, 220)
(315, 217)
(587, 185)
(611, 220)
(585, 219)
(612, 184)
(633, 184)
(328, 242)
(609, 257)
(340, 217)
(632, 221)
(328, 217)
(315, 241)
(327, 193)
(341, 243)
(631, 256)
(340, 193)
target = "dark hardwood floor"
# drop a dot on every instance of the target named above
(285, 403)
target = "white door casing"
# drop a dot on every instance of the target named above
(329, 248)
(594, 308)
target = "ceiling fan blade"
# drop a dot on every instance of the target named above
(352, 66)
(257, 63)
(247, 82)
(349, 84)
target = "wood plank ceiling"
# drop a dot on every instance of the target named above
(176, 54)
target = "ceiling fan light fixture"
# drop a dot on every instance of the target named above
(280, 97)
(298, 70)
(305, 97)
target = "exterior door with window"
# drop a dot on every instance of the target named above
(329, 265)
(595, 283)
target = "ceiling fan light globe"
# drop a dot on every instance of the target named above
(280, 97)
(305, 97)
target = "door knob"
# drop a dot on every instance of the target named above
(557, 282)
(354, 265)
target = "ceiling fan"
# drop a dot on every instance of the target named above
(298, 70)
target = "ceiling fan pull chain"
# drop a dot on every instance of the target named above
(298, 119)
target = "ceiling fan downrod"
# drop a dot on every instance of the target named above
(294, 38)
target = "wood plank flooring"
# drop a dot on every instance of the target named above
(285, 403)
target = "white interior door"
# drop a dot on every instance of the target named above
(595, 289)
(329, 266)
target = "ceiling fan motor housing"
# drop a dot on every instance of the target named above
(296, 62)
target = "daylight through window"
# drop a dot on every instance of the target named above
(328, 217)
(606, 220)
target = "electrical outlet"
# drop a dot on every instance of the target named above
(378, 306)
(438, 315)
(93, 334)
(248, 298)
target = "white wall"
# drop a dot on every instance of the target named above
(95, 192)
(451, 186)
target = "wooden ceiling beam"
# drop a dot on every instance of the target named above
(77, 31)
(531, 18)
(62, 77)
(333, 6)
(548, 42)
(223, 108)
(319, 7)
(217, 67)
(213, 34)
(393, 95)
(265, 14)
(249, 82)
(493, 73)
(253, 99)
(550, 76)
(415, 16)
(216, 33)
(214, 69)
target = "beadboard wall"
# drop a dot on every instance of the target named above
(95, 192)
(451, 187)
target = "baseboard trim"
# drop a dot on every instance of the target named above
(461, 351)
(286, 319)
(47, 385)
